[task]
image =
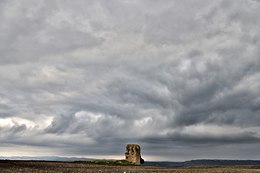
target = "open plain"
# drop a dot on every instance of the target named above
(7, 166)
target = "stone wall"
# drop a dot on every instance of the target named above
(133, 154)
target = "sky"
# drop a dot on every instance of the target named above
(84, 78)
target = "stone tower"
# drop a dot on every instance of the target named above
(133, 154)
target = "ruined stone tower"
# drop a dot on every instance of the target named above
(133, 154)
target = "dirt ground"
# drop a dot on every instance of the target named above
(67, 167)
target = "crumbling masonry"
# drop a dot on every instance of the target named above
(133, 154)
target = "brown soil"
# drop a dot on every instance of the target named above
(68, 167)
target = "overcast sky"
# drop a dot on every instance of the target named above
(84, 78)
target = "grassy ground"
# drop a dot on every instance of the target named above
(72, 167)
(107, 162)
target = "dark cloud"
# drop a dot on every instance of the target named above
(85, 78)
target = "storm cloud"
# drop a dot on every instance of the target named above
(84, 78)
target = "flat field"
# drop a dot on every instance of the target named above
(70, 167)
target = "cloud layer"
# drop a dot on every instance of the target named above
(85, 78)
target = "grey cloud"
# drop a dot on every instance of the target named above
(11, 133)
(185, 139)
(167, 26)
(92, 125)
(36, 31)
(101, 75)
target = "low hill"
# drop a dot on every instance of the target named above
(205, 162)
